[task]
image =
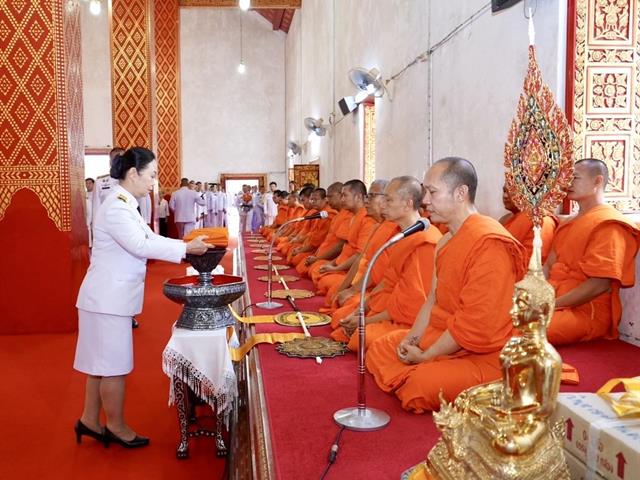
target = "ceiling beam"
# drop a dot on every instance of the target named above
(255, 4)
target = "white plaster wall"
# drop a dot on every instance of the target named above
(96, 78)
(231, 123)
(477, 79)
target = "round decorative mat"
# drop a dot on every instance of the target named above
(276, 278)
(293, 293)
(266, 258)
(311, 347)
(259, 250)
(264, 266)
(311, 319)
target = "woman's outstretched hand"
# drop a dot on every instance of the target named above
(197, 245)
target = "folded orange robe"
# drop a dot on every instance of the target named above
(600, 243)
(475, 272)
(318, 231)
(359, 232)
(405, 287)
(384, 232)
(521, 227)
(339, 230)
(218, 236)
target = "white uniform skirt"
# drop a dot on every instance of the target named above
(105, 344)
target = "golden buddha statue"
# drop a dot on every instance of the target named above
(501, 430)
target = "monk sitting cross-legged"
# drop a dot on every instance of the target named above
(317, 230)
(395, 301)
(336, 237)
(592, 257)
(292, 233)
(457, 336)
(360, 228)
(520, 226)
(281, 198)
(333, 273)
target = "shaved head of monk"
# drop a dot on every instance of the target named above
(293, 199)
(305, 197)
(590, 178)
(374, 199)
(450, 191)
(353, 195)
(402, 199)
(319, 199)
(334, 193)
(507, 202)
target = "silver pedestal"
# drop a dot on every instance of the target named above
(361, 419)
(269, 305)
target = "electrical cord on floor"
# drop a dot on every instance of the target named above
(333, 453)
(247, 308)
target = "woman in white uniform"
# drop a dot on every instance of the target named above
(112, 292)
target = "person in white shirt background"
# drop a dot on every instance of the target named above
(163, 214)
(210, 198)
(182, 204)
(258, 209)
(104, 184)
(112, 292)
(222, 208)
(270, 207)
(201, 210)
(89, 184)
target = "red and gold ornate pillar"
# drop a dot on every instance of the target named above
(167, 50)
(43, 235)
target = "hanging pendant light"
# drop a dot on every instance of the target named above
(95, 7)
(244, 5)
(242, 68)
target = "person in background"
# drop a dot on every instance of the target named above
(89, 184)
(112, 292)
(163, 214)
(257, 220)
(182, 203)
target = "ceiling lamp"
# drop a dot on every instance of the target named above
(95, 7)
(244, 5)
(242, 68)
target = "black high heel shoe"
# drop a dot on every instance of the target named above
(137, 441)
(81, 429)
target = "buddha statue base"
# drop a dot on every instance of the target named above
(467, 453)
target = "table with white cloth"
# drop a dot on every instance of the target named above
(199, 361)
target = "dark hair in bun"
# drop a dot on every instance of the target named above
(136, 157)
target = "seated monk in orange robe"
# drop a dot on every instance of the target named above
(283, 243)
(362, 227)
(317, 229)
(352, 198)
(592, 257)
(281, 198)
(457, 336)
(373, 205)
(520, 226)
(395, 302)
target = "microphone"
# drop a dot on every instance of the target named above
(419, 226)
(321, 214)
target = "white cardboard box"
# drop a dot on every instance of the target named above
(598, 438)
(577, 469)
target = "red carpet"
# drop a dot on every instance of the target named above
(41, 398)
(302, 397)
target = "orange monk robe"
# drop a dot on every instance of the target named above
(293, 229)
(281, 217)
(318, 232)
(360, 231)
(405, 287)
(601, 243)
(475, 274)
(339, 231)
(521, 227)
(384, 232)
(300, 228)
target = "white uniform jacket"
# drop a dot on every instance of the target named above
(183, 202)
(103, 187)
(122, 243)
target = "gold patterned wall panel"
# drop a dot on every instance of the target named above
(167, 34)
(131, 73)
(606, 99)
(369, 154)
(40, 118)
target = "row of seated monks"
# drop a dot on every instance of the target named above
(438, 301)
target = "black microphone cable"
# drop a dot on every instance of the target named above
(333, 453)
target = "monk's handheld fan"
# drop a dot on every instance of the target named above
(538, 155)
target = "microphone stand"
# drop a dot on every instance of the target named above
(361, 418)
(270, 304)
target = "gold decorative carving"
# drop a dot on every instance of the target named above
(40, 105)
(255, 4)
(166, 18)
(131, 74)
(369, 157)
(606, 102)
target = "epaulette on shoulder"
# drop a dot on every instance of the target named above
(123, 198)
